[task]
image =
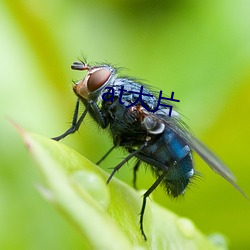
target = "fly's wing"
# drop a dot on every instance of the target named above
(206, 154)
(212, 160)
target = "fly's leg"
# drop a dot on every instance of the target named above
(136, 167)
(145, 196)
(93, 109)
(124, 161)
(75, 124)
(105, 155)
(97, 114)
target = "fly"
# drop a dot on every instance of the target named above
(151, 135)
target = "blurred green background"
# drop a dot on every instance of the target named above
(198, 49)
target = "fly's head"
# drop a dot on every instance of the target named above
(95, 80)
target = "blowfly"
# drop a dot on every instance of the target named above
(156, 137)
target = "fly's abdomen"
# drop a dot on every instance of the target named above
(170, 155)
(180, 166)
(178, 176)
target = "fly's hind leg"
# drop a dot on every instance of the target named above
(145, 196)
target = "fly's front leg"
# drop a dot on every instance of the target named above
(75, 123)
(94, 111)
(97, 114)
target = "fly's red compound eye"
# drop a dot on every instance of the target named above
(97, 79)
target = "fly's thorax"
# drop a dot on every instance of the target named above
(96, 79)
(148, 121)
(135, 92)
(152, 125)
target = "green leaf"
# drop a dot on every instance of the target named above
(107, 215)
